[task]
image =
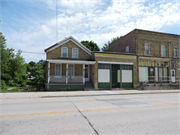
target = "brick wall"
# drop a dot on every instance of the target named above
(56, 53)
(120, 45)
(115, 58)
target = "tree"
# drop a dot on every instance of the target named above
(106, 45)
(4, 72)
(37, 72)
(90, 45)
(17, 68)
(13, 67)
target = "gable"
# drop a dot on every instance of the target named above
(56, 53)
(77, 43)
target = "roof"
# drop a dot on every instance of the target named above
(70, 38)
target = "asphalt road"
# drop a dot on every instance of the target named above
(152, 114)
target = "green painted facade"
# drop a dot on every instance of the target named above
(127, 85)
(66, 87)
(103, 85)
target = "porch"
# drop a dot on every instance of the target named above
(68, 74)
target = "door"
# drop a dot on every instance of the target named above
(86, 73)
(151, 74)
(115, 76)
(173, 75)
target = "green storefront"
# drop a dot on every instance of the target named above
(115, 75)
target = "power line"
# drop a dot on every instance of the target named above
(142, 14)
(29, 52)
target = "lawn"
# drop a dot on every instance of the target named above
(16, 89)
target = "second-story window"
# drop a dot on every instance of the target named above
(127, 49)
(74, 53)
(163, 51)
(64, 52)
(147, 49)
(175, 52)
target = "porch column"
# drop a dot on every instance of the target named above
(83, 73)
(48, 71)
(66, 73)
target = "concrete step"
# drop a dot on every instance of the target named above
(88, 86)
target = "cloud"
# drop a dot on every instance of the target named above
(96, 20)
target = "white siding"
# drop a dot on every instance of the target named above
(126, 75)
(143, 74)
(103, 75)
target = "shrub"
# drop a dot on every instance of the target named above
(3, 84)
(24, 84)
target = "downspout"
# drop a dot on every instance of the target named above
(169, 61)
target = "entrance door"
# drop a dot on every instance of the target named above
(151, 74)
(115, 76)
(173, 75)
(86, 73)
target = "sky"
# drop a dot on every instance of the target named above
(34, 25)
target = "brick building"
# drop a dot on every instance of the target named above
(70, 66)
(157, 55)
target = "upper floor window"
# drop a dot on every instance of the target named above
(163, 51)
(75, 53)
(175, 52)
(64, 52)
(147, 49)
(58, 70)
(127, 49)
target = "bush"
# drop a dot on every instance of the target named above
(3, 84)
(11, 83)
(24, 84)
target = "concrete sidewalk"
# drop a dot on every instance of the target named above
(80, 93)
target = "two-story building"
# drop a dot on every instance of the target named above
(70, 66)
(157, 54)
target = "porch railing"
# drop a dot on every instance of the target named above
(62, 79)
(73, 79)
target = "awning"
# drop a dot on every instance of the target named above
(71, 61)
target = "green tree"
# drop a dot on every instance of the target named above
(4, 72)
(37, 73)
(17, 68)
(106, 45)
(90, 45)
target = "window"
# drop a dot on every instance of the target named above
(175, 52)
(127, 49)
(58, 70)
(103, 66)
(74, 53)
(71, 70)
(64, 52)
(163, 51)
(147, 49)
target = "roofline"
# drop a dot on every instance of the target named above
(156, 32)
(69, 38)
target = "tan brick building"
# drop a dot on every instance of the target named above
(157, 55)
(70, 66)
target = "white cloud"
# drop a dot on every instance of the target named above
(93, 20)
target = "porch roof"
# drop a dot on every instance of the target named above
(71, 61)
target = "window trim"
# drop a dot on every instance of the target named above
(145, 49)
(126, 49)
(177, 52)
(162, 50)
(58, 76)
(77, 52)
(62, 52)
(73, 69)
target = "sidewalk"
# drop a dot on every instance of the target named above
(80, 93)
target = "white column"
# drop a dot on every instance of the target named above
(83, 73)
(66, 73)
(48, 71)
